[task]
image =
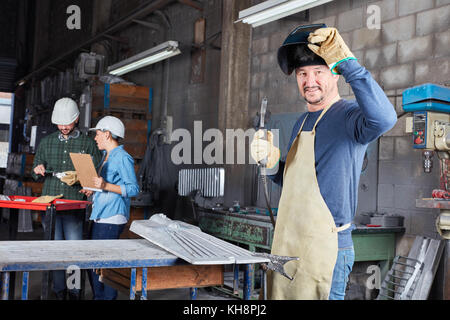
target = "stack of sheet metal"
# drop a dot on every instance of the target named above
(189, 243)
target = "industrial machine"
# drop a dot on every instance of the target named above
(431, 120)
(430, 105)
(430, 126)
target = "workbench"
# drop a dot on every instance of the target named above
(256, 232)
(144, 260)
(49, 211)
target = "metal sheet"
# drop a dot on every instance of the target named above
(189, 243)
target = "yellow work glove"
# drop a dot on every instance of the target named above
(329, 45)
(46, 199)
(261, 149)
(70, 178)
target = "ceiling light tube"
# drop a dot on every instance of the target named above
(275, 9)
(163, 51)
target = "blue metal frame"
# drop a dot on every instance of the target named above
(133, 284)
(25, 277)
(106, 94)
(193, 293)
(5, 285)
(144, 284)
(248, 276)
(144, 263)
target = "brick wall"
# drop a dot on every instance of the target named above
(409, 49)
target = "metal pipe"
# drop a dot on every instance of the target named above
(166, 68)
(140, 12)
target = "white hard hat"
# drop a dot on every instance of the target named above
(111, 124)
(65, 112)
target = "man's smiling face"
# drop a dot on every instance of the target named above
(316, 83)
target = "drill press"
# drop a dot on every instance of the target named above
(430, 105)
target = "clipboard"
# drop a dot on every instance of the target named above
(85, 170)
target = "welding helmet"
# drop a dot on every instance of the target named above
(65, 112)
(298, 37)
(111, 124)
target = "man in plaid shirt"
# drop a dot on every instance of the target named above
(53, 156)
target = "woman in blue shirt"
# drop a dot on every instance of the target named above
(118, 183)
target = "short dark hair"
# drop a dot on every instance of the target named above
(300, 55)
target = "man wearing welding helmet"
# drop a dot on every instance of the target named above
(320, 174)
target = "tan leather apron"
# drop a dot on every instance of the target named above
(305, 227)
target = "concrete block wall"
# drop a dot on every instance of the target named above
(187, 102)
(409, 48)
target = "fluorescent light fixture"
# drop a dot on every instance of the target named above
(163, 51)
(271, 10)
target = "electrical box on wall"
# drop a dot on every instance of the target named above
(89, 65)
(424, 127)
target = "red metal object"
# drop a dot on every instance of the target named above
(24, 202)
(444, 174)
(440, 194)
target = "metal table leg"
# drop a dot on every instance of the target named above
(144, 284)
(13, 224)
(264, 286)
(5, 285)
(248, 275)
(193, 293)
(25, 277)
(49, 234)
(236, 280)
(133, 284)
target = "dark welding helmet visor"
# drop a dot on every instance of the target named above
(298, 37)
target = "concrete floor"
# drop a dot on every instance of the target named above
(35, 278)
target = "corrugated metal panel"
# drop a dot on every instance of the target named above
(7, 74)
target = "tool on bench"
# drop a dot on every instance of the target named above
(276, 264)
(263, 162)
